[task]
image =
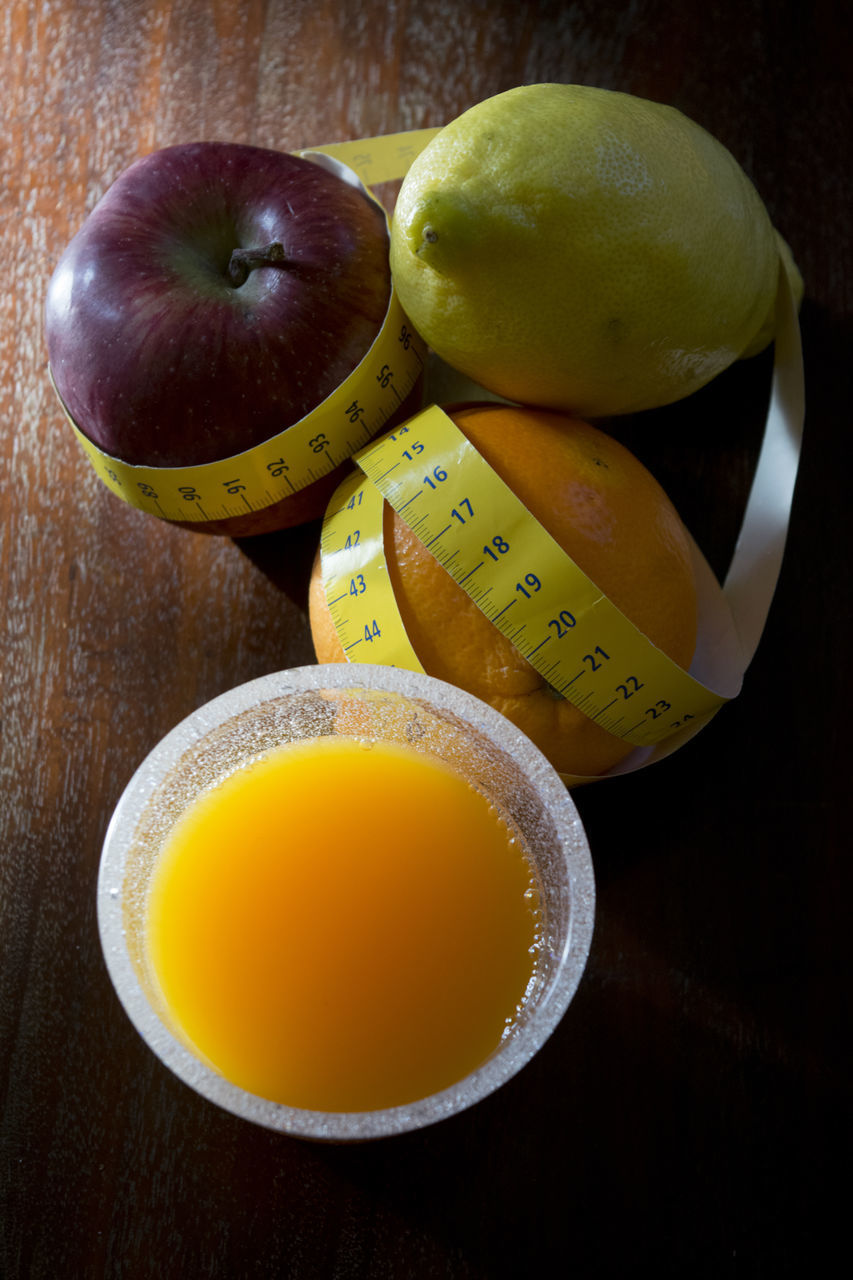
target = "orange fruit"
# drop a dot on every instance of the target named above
(606, 511)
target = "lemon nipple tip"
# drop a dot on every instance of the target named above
(429, 237)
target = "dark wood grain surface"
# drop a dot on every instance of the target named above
(692, 1111)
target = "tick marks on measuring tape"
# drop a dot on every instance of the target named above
(462, 581)
(436, 537)
(501, 612)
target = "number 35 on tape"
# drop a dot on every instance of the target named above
(509, 565)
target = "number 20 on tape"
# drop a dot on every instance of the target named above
(510, 566)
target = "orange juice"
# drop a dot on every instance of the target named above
(342, 926)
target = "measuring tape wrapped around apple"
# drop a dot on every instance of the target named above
(582, 645)
(219, 388)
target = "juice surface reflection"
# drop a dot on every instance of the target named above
(343, 927)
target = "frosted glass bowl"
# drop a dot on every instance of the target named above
(382, 704)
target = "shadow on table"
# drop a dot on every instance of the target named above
(285, 558)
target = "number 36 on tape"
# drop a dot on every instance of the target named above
(509, 565)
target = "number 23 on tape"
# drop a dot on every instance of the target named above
(510, 566)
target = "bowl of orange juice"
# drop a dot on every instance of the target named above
(345, 902)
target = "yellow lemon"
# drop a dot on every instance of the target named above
(583, 249)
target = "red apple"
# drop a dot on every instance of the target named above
(214, 296)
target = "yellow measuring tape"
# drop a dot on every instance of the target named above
(381, 159)
(312, 447)
(509, 565)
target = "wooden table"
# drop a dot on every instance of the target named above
(690, 1109)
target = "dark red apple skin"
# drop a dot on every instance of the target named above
(160, 359)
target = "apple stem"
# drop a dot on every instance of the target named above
(245, 260)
